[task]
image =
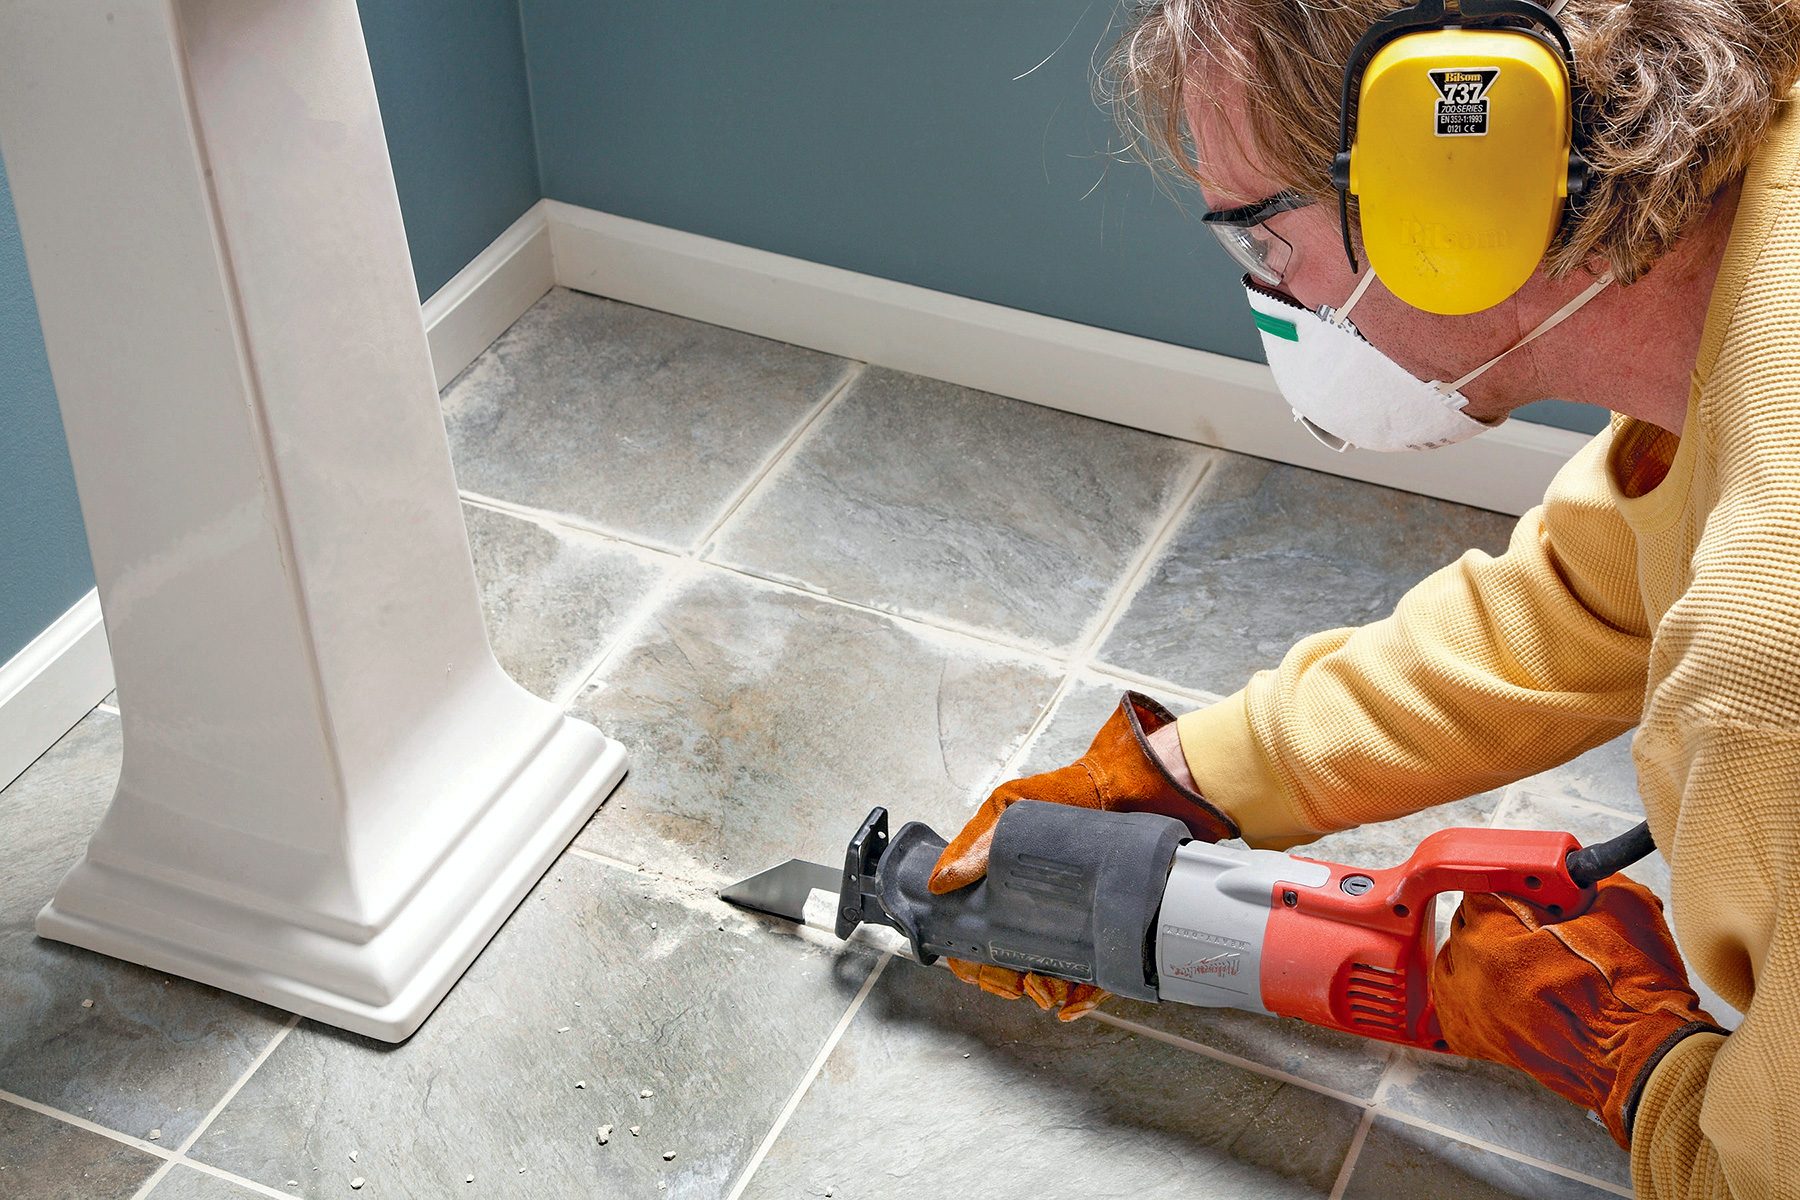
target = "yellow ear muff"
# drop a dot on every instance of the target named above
(1457, 141)
(1461, 164)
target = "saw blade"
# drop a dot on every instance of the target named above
(782, 891)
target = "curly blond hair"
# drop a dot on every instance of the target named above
(1678, 95)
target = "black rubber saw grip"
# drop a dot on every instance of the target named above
(1071, 892)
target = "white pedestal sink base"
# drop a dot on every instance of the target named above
(429, 943)
(331, 794)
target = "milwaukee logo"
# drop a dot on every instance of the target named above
(1219, 964)
(1194, 935)
(1068, 968)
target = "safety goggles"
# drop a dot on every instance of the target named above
(1258, 249)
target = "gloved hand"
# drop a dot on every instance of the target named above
(1587, 1006)
(1119, 773)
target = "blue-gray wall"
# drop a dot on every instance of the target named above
(451, 78)
(43, 551)
(893, 139)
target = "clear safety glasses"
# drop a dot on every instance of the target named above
(1258, 249)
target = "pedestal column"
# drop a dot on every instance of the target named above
(331, 794)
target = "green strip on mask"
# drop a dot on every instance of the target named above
(1276, 327)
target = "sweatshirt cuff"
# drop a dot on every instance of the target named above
(1674, 1090)
(1234, 773)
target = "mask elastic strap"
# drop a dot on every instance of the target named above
(1545, 326)
(1362, 285)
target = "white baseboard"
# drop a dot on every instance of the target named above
(463, 317)
(1190, 394)
(51, 684)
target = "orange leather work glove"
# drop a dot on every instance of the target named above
(1587, 1006)
(1119, 773)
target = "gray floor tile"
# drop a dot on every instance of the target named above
(1400, 1162)
(938, 1089)
(1505, 1108)
(154, 1051)
(925, 498)
(1272, 553)
(185, 1183)
(662, 989)
(47, 1159)
(553, 599)
(763, 725)
(628, 419)
(1604, 775)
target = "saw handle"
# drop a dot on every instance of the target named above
(1355, 953)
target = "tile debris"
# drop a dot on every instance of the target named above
(468, 1179)
(356, 1184)
(634, 1130)
(156, 1135)
(353, 1156)
(645, 1094)
(87, 1004)
(603, 1134)
(581, 1083)
(562, 1029)
(668, 1156)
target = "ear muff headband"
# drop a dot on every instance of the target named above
(1508, 17)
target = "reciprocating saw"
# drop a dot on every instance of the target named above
(1128, 902)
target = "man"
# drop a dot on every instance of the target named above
(1657, 585)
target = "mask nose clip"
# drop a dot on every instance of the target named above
(1330, 441)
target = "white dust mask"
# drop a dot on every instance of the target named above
(1348, 393)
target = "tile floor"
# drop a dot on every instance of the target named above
(795, 587)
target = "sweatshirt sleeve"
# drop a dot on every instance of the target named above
(1490, 670)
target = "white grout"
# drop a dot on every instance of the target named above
(67, 1118)
(1350, 1155)
(1506, 1152)
(1212, 1052)
(180, 1155)
(1132, 580)
(806, 1081)
(851, 374)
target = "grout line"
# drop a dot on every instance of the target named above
(231, 1093)
(260, 1189)
(1151, 683)
(704, 879)
(851, 374)
(548, 518)
(635, 622)
(1082, 662)
(1348, 1168)
(1009, 768)
(1505, 1152)
(1205, 1051)
(68, 1118)
(180, 1154)
(1373, 1105)
(986, 639)
(1139, 570)
(806, 1081)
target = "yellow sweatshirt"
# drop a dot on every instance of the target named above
(1677, 611)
